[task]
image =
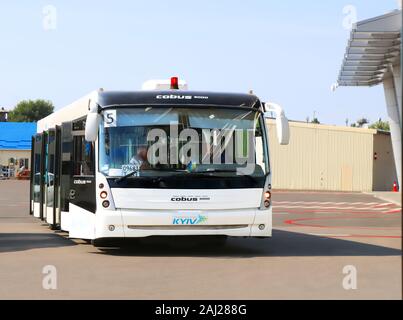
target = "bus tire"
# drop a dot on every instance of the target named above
(217, 241)
(105, 243)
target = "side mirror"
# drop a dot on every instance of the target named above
(91, 126)
(283, 130)
(282, 126)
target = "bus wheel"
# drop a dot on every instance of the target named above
(105, 243)
(216, 241)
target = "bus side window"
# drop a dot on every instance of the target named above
(83, 157)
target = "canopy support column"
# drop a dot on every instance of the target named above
(394, 114)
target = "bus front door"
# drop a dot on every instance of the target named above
(66, 169)
(53, 179)
(45, 176)
(31, 178)
(82, 187)
(37, 176)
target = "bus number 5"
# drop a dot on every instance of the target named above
(110, 118)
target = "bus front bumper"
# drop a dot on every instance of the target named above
(123, 223)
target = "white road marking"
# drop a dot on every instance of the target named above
(385, 205)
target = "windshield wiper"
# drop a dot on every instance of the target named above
(216, 171)
(250, 177)
(167, 170)
(118, 180)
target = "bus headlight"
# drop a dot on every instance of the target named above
(267, 199)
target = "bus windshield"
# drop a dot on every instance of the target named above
(181, 141)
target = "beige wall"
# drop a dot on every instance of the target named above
(322, 158)
(5, 155)
(384, 167)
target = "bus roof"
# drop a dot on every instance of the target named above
(175, 97)
(80, 108)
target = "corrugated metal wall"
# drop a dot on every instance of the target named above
(384, 165)
(322, 158)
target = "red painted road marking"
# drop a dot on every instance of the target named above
(344, 210)
(332, 203)
(331, 235)
(361, 212)
(368, 236)
(335, 207)
(394, 211)
(325, 207)
(297, 222)
(301, 223)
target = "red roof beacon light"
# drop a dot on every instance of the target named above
(174, 83)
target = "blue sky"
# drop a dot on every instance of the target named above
(288, 51)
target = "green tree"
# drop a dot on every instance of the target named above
(31, 110)
(360, 123)
(315, 120)
(380, 125)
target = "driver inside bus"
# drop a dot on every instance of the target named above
(140, 159)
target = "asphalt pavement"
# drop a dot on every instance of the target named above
(318, 239)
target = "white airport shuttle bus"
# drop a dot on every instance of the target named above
(163, 161)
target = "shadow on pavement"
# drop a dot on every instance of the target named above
(10, 242)
(283, 244)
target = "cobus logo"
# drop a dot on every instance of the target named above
(184, 199)
(174, 97)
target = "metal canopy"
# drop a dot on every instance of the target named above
(373, 46)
